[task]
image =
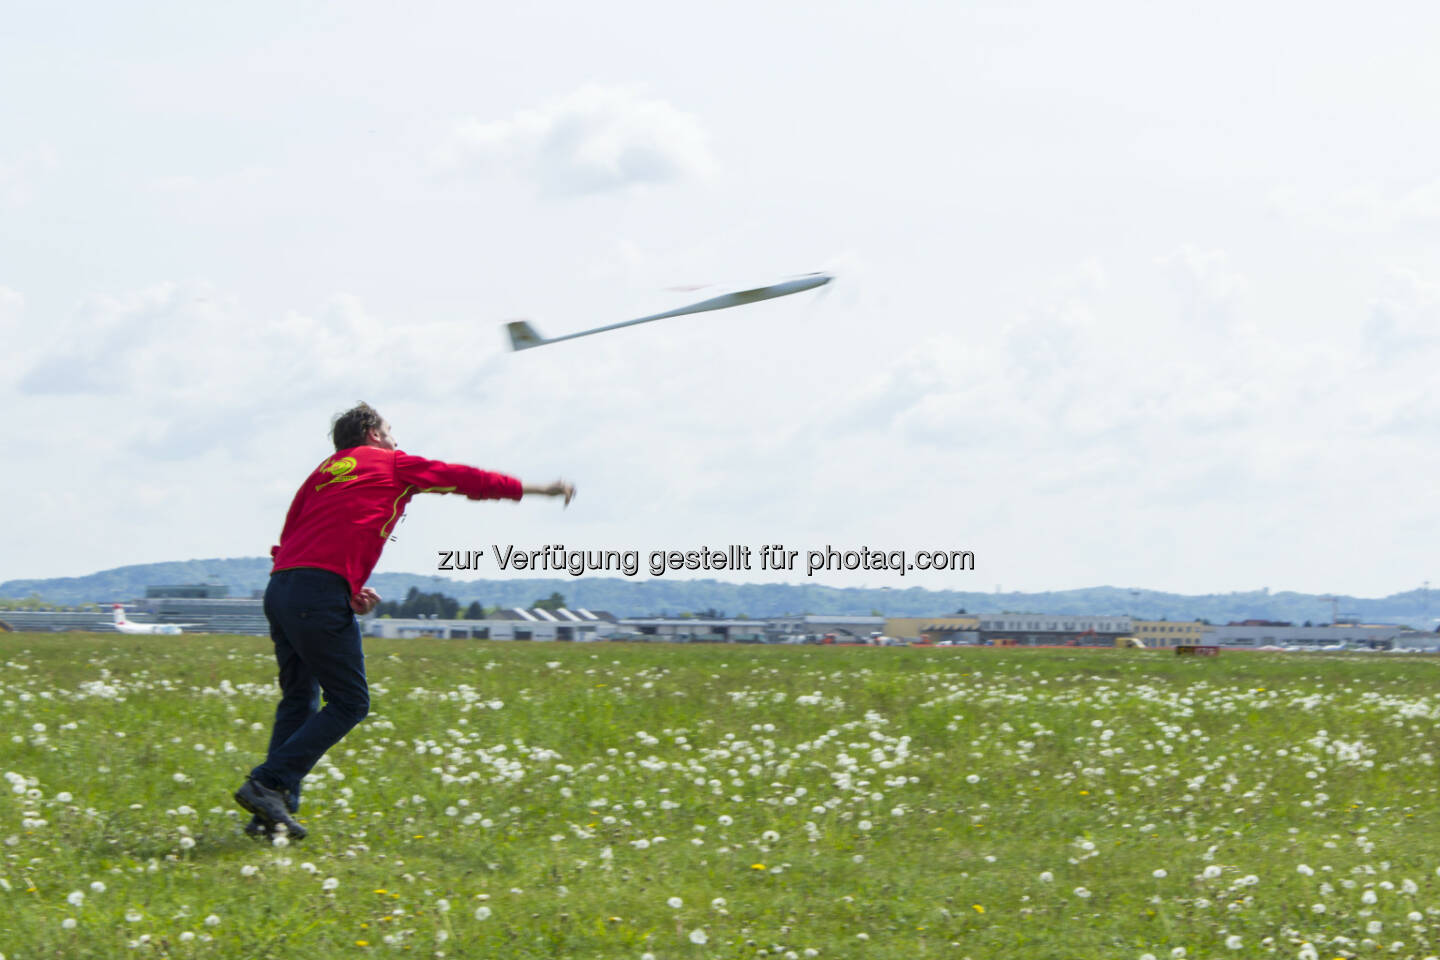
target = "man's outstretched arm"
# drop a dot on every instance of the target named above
(558, 488)
(436, 476)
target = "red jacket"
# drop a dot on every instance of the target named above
(347, 508)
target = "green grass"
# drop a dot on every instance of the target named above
(854, 802)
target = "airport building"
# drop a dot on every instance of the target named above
(817, 626)
(48, 621)
(1254, 635)
(1169, 633)
(1048, 630)
(698, 629)
(956, 629)
(514, 623)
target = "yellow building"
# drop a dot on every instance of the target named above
(1168, 633)
(959, 628)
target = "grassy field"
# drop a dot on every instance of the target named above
(624, 801)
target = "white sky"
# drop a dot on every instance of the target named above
(1129, 293)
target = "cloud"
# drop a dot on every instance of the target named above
(19, 172)
(594, 140)
(182, 366)
(1359, 207)
(1210, 288)
(11, 303)
(1404, 320)
(13, 337)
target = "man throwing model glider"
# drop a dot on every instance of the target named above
(338, 523)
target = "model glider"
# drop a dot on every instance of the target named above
(523, 336)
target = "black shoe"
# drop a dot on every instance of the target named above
(259, 829)
(269, 806)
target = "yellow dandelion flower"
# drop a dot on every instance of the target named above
(757, 866)
(362, 943)
(381, 890)
(1084, 793)
(977, 908)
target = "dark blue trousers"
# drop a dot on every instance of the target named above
(318, 650)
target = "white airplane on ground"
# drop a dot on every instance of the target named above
(125, 626)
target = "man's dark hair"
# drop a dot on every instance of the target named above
(352, 428)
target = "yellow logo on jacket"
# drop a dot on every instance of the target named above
(340, 471)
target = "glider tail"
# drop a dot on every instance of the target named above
(523, 336)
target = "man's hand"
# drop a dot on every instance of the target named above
(557, 489)
(364, 601)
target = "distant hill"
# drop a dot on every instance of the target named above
(642, 597)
